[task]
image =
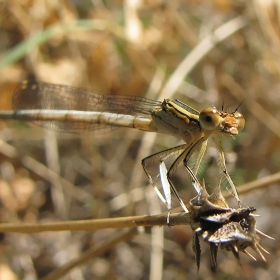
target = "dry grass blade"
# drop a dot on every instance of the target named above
(92, 253)
(199, 52)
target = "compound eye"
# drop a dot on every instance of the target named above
(209, 118)
(240, 120)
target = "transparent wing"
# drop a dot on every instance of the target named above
(152, 163)
(39, 95)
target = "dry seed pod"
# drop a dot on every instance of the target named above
(224, 227)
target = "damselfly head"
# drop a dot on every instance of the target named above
(211, 118)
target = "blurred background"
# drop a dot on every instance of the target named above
(201, 52)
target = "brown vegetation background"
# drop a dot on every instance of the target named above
(145, 48)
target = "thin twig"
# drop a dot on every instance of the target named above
(122, 222)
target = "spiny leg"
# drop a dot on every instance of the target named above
(224, 169)
(200, 156)
(160, 156)
(167, 182)
(185, 156)
(170, 185)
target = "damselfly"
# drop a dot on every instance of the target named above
(75, 110)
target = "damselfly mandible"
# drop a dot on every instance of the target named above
(70, 109)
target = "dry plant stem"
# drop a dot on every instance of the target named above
(93, 252)
(267, 24)
(52, 156)
(200, 51)
(134, 221)
(125, 222)
(262, 183)
(157, 238)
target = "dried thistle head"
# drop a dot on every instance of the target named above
(224, 227)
